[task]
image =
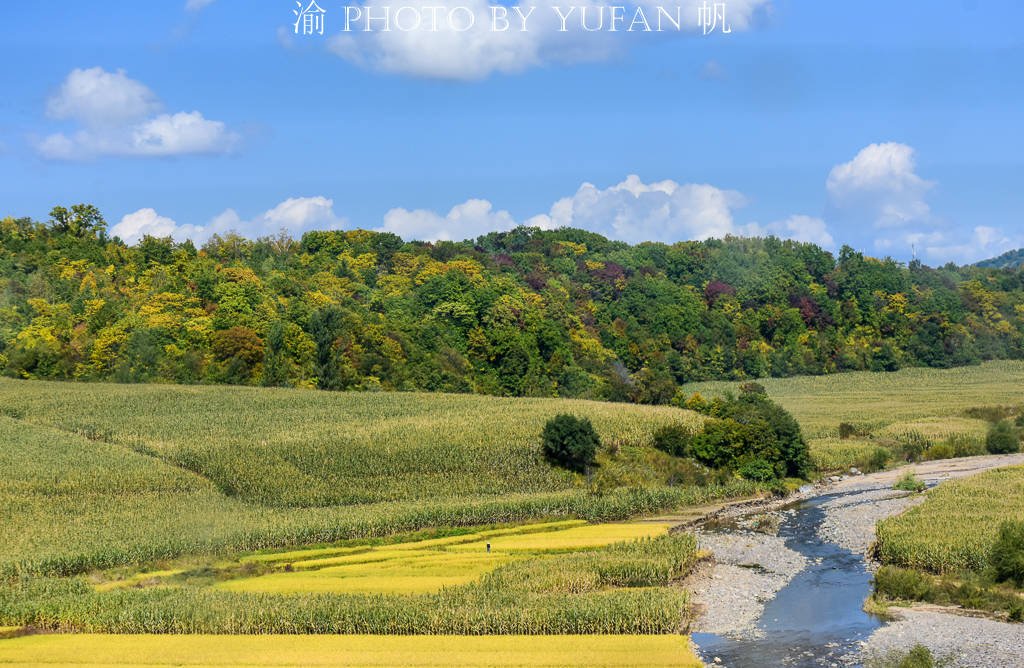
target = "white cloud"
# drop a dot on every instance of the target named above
(302, 213)
(196, 5)
(464, 221)
(982, 243)
(880, 186)
(631, 211)
(634, 211)
(418, 45)
(98, 98)
(117, 116)
(295, 215)
(798, 228)
(146, 222)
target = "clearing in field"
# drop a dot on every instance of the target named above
(268, 650)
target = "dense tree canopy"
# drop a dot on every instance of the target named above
(524, 312)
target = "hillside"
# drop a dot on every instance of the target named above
(523, 313)
(1012, 260)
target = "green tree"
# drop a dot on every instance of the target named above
(570, 441)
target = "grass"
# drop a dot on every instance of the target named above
(970, 591)
(956, 526)
(364, 650)
(910, 483)
(873, 401)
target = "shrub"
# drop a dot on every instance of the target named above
(846, 430)
(1007, 558)
(940, 451)
(697, 403)
(991, 414)
(752, 388)
(879, 458)
(1002, 439)
(910, 483)
(1020, 420)
(918, 657)
(757, 469)
(673, 439)
(902, 583)
(570, 442)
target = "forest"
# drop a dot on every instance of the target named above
(527, 312)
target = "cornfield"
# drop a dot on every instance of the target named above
(954, 529)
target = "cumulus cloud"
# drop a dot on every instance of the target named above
(294, 215)
(631, 211)
(147, 222)
(117, 115)
(96, 98)
(981, 243)
(464, 221)
(636, 211)
(456, 40)
(798, 228)
(880, 186)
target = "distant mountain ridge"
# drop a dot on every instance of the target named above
(1009, 260)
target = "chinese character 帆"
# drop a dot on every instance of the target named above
(709, 16)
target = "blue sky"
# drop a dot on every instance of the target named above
(890, 126)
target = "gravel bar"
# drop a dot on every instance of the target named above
(750, 568)
(966, 642)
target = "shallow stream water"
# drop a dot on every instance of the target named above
(817, 617)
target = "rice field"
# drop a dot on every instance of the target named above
(620, 588)
(367, 650)
(953, 530)
(434, 564)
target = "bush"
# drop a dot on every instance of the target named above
(940, 451)
(1002, 439)
(748, 428)
(1007, 558)
(846, 430)
(879, 458)
(918, 657)
(752, 388)
(910, 483)
(673, 439)
(758, 470)
(570, 442)
(991, 414)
